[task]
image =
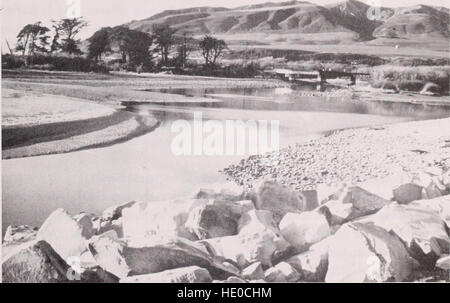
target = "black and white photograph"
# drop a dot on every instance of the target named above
(213, 142)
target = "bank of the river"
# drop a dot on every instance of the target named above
(39, 124)
(352, 155)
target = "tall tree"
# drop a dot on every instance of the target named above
(99, 43)
(164, 37)
(68, 29)
(135, 46)
(186, 46)
(212, 48)
(32, 38)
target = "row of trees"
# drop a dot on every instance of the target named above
(140, 48)
(137, 48)
(34, 38)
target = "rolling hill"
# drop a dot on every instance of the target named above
(344, 19)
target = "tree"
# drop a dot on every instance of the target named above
(32, 38)
(68, 29)
(164, 37)
(187, 45)
(212, 48)
(135, 46)
(99, 44)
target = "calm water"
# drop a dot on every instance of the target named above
(145, 169)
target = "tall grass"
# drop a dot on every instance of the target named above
(402, 75)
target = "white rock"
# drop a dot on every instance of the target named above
(277, 198)
(65, 235)
(313, 264)
(258, 240)
(212, 221)
(146, 224)
(282, 272)
(423, 231)
(303, 230)
(191, 274)
(121, 260)
(365, 253)
(253, 272)
(440, 206)
(443, 263)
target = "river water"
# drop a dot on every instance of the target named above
(146, 168)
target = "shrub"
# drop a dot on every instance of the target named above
(12, 62)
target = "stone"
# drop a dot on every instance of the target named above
(259, 239)
(115, 212)
(146, 224)
(366, 253)
(303, 230)
(423, 232)
(407, 193)
(313, 264)
(440, 206)
(211, 221)
(121, 260)
(228, 191)
(253, 272)
(282, 272)
(277, 198)
(443, 263)
(64, 234)
(19, 234)
(34, 262)
(191, 274)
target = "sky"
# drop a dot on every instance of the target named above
(15, 14)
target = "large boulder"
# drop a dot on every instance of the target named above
(313, 264)
(423, 232)
(212, 221)
(303, 230)
(34, 262)
(277, 198)
(64, 234)
(259, 239)
(440, 206)
(366, 253)
(191, 274)
(146, 224)
(121, 260)
(282, 272)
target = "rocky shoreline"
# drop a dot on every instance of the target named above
(352, 155)
(393, 229)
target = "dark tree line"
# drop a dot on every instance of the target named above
(138, 49)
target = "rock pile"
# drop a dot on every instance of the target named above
(377, 231)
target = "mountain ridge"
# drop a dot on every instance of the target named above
(350, 17)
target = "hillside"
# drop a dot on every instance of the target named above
(342, 21)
